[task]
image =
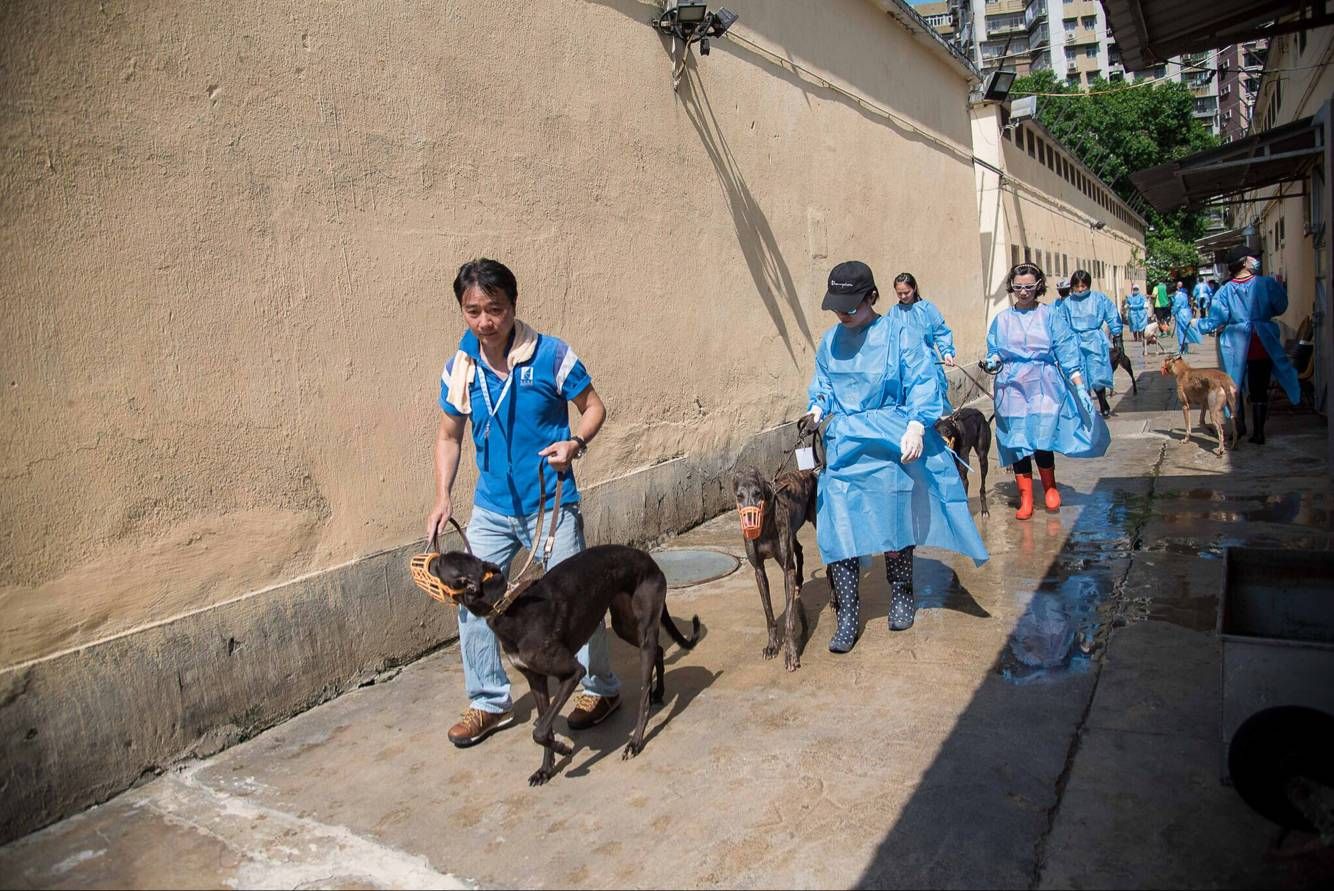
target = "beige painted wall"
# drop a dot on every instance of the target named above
(229, 231)
(1053, 218)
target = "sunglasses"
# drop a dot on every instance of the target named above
(1023, 287)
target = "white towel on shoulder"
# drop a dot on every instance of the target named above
(459, 377)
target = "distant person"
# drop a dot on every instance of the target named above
(1042, 402)
(1162, 304)
(1088, 312)
(1137, 312)
(1184, 320)
(1201, 294)
(931, 327)
(1242, 312)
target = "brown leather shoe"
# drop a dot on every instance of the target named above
(476, 725)
(590, 710)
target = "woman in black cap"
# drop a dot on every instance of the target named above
(889, 483)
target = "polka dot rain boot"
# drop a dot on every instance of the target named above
(902, 600)
(843, 579)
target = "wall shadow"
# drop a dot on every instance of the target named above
(764, 258)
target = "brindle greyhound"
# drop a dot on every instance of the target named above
(773, 512)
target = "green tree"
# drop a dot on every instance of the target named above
(1117, 129)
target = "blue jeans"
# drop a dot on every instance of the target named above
(496, 539)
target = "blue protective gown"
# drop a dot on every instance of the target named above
(1202, 295)
(1086, 315)
(1187, 332)
(1240, 309)
(1036, 405)
(1137, 310)
(937, 337)
(872, 382)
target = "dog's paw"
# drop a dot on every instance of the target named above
(791, 661)
(632, 749)
(770, 651)
(560, 748)
(539, 777)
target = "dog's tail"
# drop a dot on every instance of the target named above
(681, 640)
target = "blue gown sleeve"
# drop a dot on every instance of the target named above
(993, 338)
(1218, 311)
(1112, 316)
(941, 334)
(820, 389)
(1064, 344)
(921, 393)
(1276, 297)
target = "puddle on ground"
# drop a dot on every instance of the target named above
(1059, 633)
(1290, 508)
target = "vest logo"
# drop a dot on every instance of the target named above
(526, 376)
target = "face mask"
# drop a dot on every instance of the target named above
(1253, 264)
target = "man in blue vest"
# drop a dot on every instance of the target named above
(515, 385)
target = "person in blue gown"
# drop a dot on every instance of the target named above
(930, 324)
(1042, 403)
(1184, 320)
(1250, 348)
(889, 482)
(1088, 312)
(1137, 312)
(1201, 293)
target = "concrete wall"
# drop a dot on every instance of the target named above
(1307, 83)
(1053, 218)
(229, 233)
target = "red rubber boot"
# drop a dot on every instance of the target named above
(1050, 495)
(1025, 483)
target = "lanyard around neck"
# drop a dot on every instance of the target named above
(492, 408)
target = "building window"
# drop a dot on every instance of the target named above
(1032, 150)
(1014, 255)
(1089, 21)
(1091, 51)
(1028, 258)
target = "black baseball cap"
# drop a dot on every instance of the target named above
(849, 283)
(1241, 252)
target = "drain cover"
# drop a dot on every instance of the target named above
(694, 566)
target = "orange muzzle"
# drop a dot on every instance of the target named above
(422, 577)
(752, 520)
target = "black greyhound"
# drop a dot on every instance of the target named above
(783, 507)
(963, 431)
(543, 624)
(1119, 359)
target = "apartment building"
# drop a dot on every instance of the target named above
(1239, 70)
(1069, 37)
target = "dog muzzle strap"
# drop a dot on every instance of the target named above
(419, 566)
(752, 520)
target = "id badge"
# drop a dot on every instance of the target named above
(806, 459)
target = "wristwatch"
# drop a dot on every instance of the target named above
(583, 445)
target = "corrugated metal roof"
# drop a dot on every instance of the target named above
(1279, 155)
(1149, 32)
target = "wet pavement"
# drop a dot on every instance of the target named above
(1051, 721)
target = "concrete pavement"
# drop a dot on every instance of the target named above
(1050, 721)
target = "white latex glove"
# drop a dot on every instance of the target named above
(911, 442)
(815, 412)
(948, 361)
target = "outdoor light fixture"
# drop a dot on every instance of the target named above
(996, 88)
(1098, 224)
(691, 22)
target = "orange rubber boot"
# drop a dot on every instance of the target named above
(1051, 495)
(1025, 483)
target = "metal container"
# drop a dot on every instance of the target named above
(1276, 623)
